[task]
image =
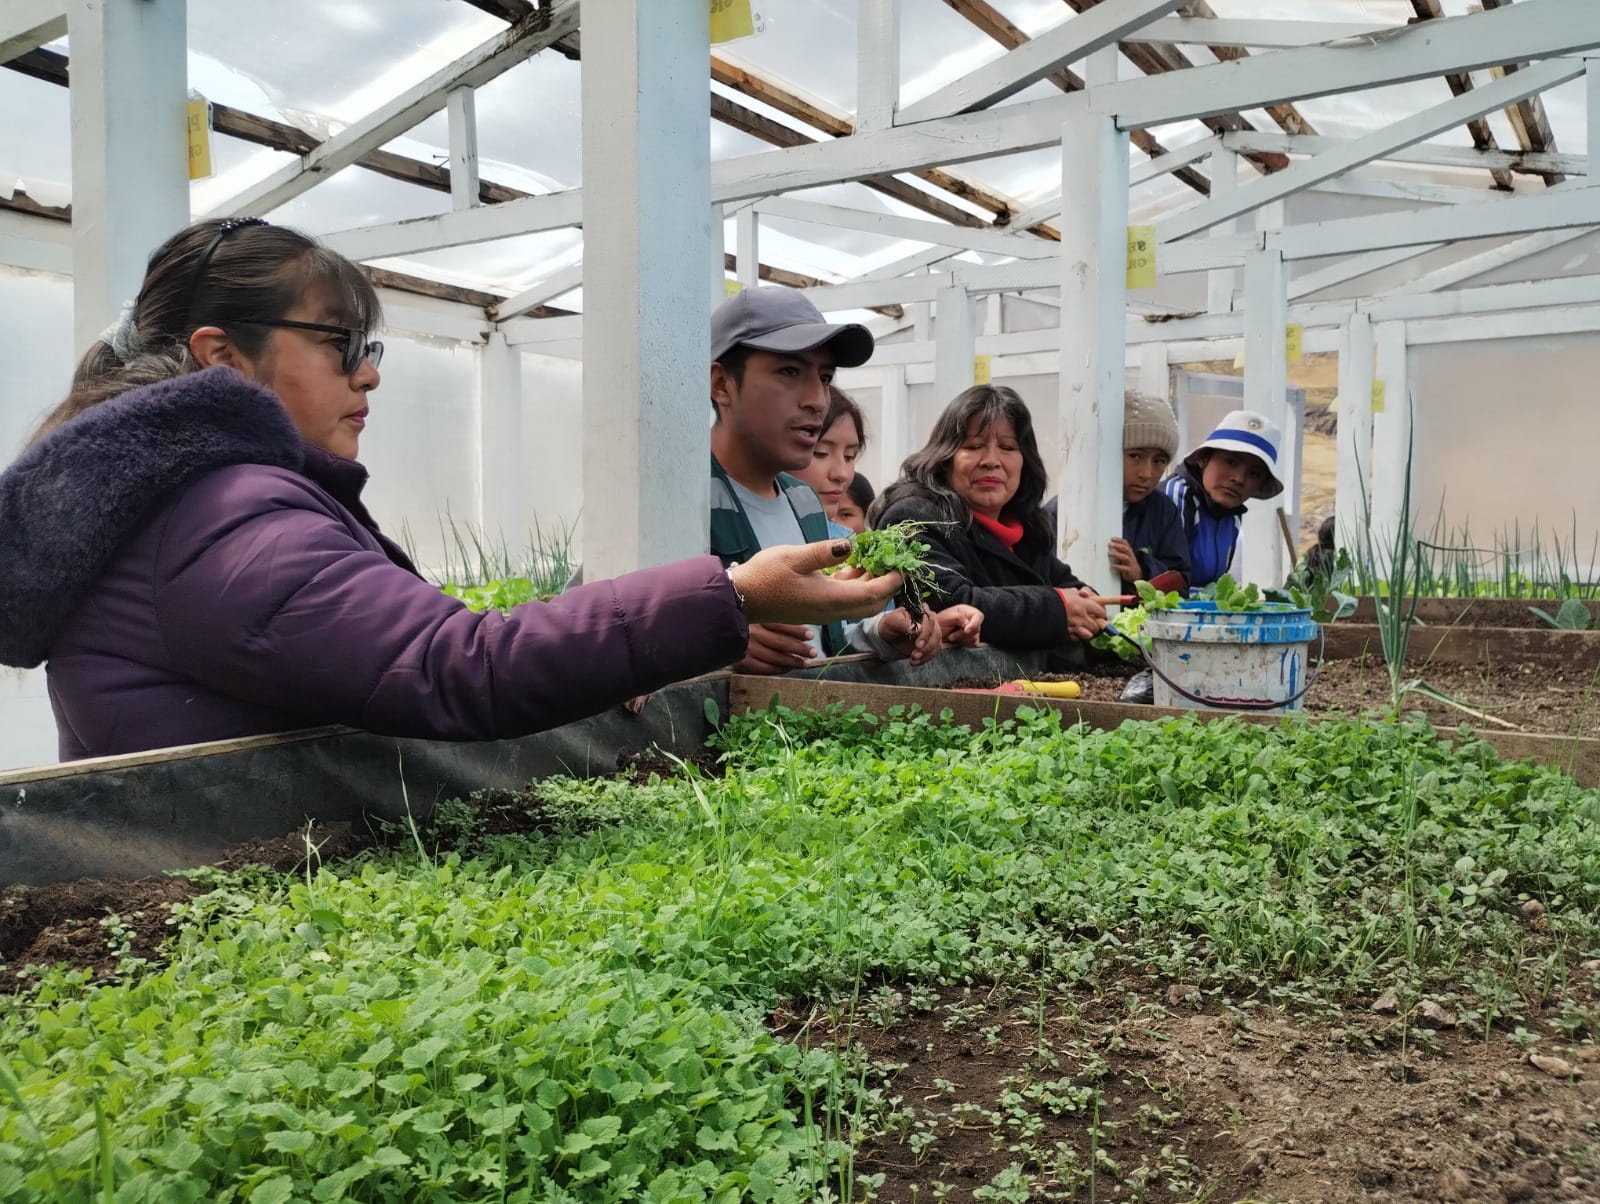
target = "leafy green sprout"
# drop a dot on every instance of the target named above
(1123, 635)
(896, 549)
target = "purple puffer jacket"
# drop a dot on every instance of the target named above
(193, 572)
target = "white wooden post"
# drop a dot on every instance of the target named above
(1094, 297)
(747, 247)
(1591, 64)
(1262, 555)
(130, 175)
(896, 439)
(1155, 375)
(500, 466)
(955, 343)
(1391, 439)
(717, 263)
(1220, 281)
(921, 322)
(463, 117)
(1352, 488)
(877, 63)
(647, 242)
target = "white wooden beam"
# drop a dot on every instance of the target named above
(1518, 33)
(36, 244)
(890, 225)
(1045, 210)
(648, 241)
(1504, 255)
(1522, 31)
(1403, 190)
(28, 24)
(488, 61)
(907, 264)
(1352, 494)
(463, 119)
(1527, 324)
(1405, 132)
(1257, 34)
(130, 176)
(1559, 208)
(486, 223)
(1092, 274)
(1353, 268)
(533, 333)
(1429, 155)
(877, 63)
(562, 281)
(1074, 38)
(1163, 164)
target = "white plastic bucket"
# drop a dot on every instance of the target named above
(1230, 660)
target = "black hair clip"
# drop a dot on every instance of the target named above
(224, 228)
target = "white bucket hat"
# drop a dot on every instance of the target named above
(1254, 435)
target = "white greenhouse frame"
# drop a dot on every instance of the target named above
(658, 204)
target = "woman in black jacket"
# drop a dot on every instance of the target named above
(979, 484)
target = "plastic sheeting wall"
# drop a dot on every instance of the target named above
(1505, 436)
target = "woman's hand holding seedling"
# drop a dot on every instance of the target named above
(1085, 616)
(918, 642)
(785, 585)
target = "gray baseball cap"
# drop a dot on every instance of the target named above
(784, 320)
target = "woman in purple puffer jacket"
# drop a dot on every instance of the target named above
(183, 542)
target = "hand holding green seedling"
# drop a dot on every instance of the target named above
(895, 549)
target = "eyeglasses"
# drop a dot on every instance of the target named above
(353, 348)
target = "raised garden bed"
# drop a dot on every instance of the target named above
(1182, 960)
(1478, 612)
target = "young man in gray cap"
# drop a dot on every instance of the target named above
(772, 356)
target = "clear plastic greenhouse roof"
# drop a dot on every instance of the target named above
(320, 66)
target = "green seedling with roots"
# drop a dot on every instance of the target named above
(896, 549)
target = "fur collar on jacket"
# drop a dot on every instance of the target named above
(70, 501)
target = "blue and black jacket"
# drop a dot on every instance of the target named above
(1212, 531)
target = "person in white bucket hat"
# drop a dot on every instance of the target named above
(1237, 463)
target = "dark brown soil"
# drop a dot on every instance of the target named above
(1168, 1096)
(1532, 698)
(93, 925)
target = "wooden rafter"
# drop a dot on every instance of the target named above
(1156, 59)
(791, 104)
(994, 23)
(757, 125)
(1289, 118)
(781, 99)
(1461, 82)
(1527, 116)
(21, 202)
(51, 67)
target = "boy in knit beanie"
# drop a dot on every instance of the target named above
(1153, 546)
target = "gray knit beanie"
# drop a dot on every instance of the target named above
(1148, 422)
